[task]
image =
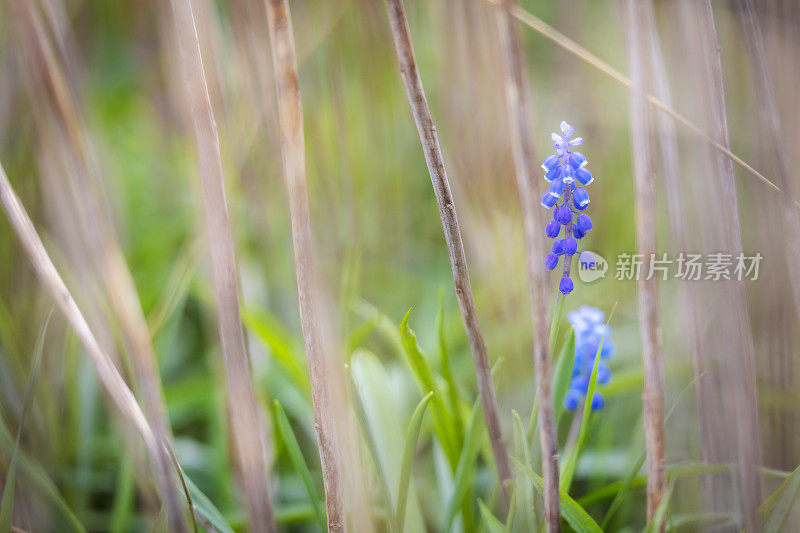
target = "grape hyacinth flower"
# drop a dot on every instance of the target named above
(566, 173)
(589, 325)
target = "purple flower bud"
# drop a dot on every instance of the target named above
(558, 247)
(603, 374)
(583, 176)
(571, 400)
(553, 228)
(597, 401)
(566, 129)
(570, 246)
(548, 200)
(577, 160)
(550, 261)
(550, 163)
(563, 214)
(583, 223)
(577, 233)
(557, 187)
(553, 173)
(580, 197)
(568, 173)
(565, 286)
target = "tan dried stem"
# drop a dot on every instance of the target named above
(322, 372)
(452, 234)
(518, 104)
(652, 350)
(245, 418)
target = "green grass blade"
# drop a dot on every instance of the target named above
(7, 502)
(492, 523)
(123, 497)
(575, 515)
(408, 456)
(299, 463)
(568, 471)
(777, 506)
(558, 313)
(279, 342)
(441, 415)
(466, 466)
(453, 393)
(206, 508)
(563, 374)
(523, 487)
(659, 517)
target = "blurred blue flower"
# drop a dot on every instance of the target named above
(564, 170)
(589, 325)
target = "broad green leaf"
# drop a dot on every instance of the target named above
(575, 515)
(562, 374)
(492, 523)
(7, 501)
(568, 471)
(408, 456)
(442, 417)
(465, 472)
(299, 463)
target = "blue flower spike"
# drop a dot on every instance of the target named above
(589, 325)
(568, 177)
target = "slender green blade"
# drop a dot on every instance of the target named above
(563, 374)
(408, 456)
(453, 393)
(206, 508)
(660, 516)
(568, 471)
(523, 487)
(442, 417)
(558, 313)
(777, 506)
(296, 457)
(492, 523)
(7, 503)
(575, 515)
(465, 471)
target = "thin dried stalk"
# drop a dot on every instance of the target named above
(245, 418)
(518, 104)
(109, 376)
(452, 234)
(106, 252)
(652, 350)
(290, 112)
(541, 27)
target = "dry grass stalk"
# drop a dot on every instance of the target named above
(455, 247)
(516, 83)
(652, 349)
(97, 228)
(246, 421)
(541, 27)
(321, 374)
(109, 376)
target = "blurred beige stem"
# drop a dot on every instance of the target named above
(452, 234)
(321, 373)
(245, 419)
(518, 104)
(107, 255)
(109, 376)
(652, 350)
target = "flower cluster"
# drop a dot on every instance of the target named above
(590, 329)
(566, 173)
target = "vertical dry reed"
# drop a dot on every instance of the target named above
(518, 103)
(321, 374)
(246, 420)
(652, 350)
(452, 233)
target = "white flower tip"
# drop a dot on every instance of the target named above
(556, 138)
